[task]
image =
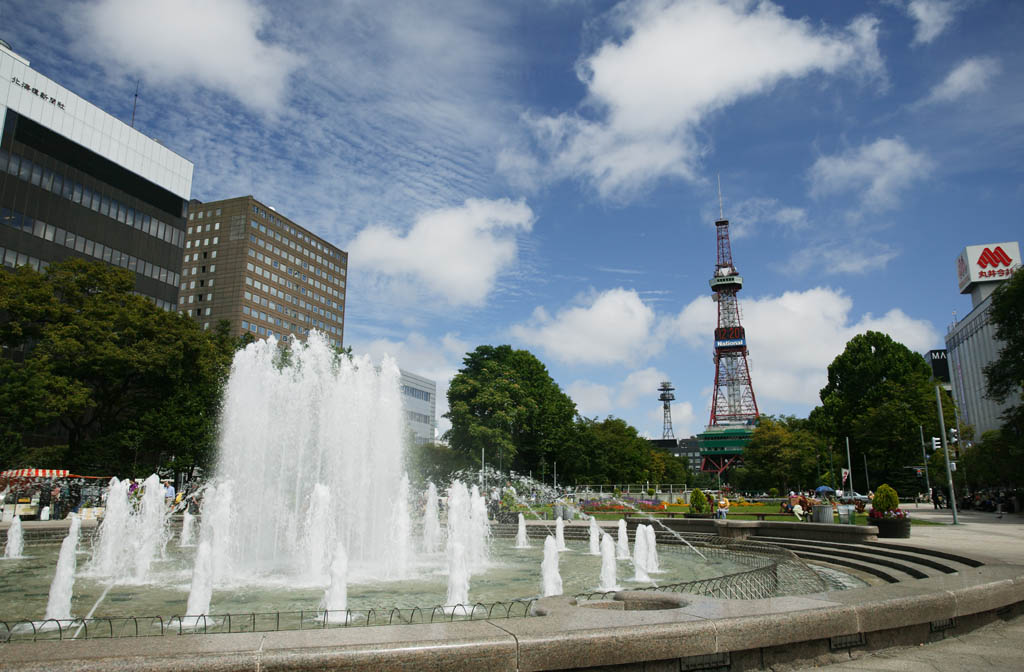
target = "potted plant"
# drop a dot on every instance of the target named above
(699, 505)
(892, 521)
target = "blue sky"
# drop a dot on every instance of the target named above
(544, 172)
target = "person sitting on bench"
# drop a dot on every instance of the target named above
(798, 511)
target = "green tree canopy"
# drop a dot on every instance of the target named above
(878, 393)
(1005, 375)
(783, 453)
(98, 379)
(504, 402)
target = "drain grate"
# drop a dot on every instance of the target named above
(944, 624)
(846, 641)
(715, 662)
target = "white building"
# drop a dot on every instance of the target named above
(78, 182)
(971, 341)
(419, 401)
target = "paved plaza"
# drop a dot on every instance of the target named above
(985, 537)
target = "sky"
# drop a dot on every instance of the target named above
(544, 173)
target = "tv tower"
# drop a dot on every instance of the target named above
(733, 406)
(666, 399)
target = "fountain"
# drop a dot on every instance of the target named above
(622, 548)
(15, 540)
(58, 605)
(318, 532)
(560, 535)
(130, 537)
(640, 555)
(479, 531)
(608, 578)
(335, 602)
(551, 580)
(521, 539)
(188, 522)
(652, 565)
(201, 592)
(401, 533)
(431, 522)
(595, 537)
(292, 420)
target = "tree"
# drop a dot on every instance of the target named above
(878, 393)
(504, 402)
(782, 454)
(1004, 376)
(102, 379)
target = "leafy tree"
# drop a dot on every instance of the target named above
(781, 454)
(504, 402)
(100, 377)
(1004, 376)
(878, 393)
(433, 462)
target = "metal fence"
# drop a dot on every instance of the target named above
(156, 626)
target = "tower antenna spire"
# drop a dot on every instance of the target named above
(721, 211)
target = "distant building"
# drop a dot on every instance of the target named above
(419, 401)
(688, 450)
(971, 341)
(78, 182)
(260, 271)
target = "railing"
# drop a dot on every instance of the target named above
(156, 626)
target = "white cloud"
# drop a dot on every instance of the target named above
(675, 63)
(932, 17)
(794, 337)
(592, 399)
(747, 216)
(971, 76)
(878, 172)
(456, 253)
(604, 328)
(832, 258)
(219, 45)
(684, 421)
(642, 384)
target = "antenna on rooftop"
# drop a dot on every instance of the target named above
(136, 104)
(721, 211)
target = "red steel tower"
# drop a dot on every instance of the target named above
(733, 406)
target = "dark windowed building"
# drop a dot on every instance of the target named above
(77, 182)
(260, 271)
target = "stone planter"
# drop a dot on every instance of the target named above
(891, 528)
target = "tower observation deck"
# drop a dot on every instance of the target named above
(733, 405)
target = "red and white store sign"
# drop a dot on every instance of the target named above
(987, 263)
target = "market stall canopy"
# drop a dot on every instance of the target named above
(34, 473)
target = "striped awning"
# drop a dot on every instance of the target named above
(34, 473)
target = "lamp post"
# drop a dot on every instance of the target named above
(924, 456)
(945, 449)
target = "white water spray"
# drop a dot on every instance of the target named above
(318, 530)
(595, 537)
(188, 523)
(109, 558)
(560, 535)
(608, 578)
(201, 592)
(15, 545)
(652, 566)
(401, 530)
(480, 532)
(431, 522)
(58, 606)
(150, 527)
(640, 555)
(551, 580)
(335, 600)
(522, 541)
(622, 548)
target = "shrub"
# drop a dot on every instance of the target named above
(699, 502)
(773, 492)
(886, 503)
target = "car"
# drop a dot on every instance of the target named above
(849, 497)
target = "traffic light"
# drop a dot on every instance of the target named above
(936, 443)
(952, 436)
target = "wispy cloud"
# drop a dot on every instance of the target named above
(879, 172)
(650, 87)
(969, 77)
(932, 18)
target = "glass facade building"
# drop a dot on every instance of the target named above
(76, 181)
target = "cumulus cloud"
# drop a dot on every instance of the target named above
(832, 258)
(455, 253)
(649, 88)
(611, 327)
(970, 77)
(879, 172)
(932, 17)
(794, 337)
(592, 399)
(220, 45)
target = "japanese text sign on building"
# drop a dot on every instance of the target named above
(987, 263)
(45, 97)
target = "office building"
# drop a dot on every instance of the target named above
(419, 401)
(971, 341)
(260, 271)
(77, 182)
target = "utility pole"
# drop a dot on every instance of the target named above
(849, 464)
(960, 446)
(924, 456)
(831, 465)
(867, 480)
(945, 449)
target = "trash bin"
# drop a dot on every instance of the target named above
(822, 513)
(846, 514)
